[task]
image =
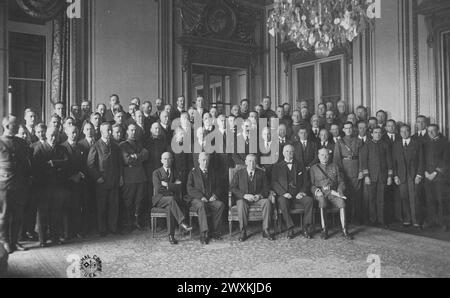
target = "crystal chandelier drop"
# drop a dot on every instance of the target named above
(321, 25)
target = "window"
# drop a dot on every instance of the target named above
(27, 68)
(319, 82)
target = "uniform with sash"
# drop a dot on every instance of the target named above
(328, 179)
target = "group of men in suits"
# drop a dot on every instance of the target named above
(104, 169)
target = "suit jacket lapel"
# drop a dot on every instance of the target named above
(200, 175)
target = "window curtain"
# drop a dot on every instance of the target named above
(60, 64)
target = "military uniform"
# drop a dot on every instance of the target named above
(347, 157)
(376, 163)
(436, 153)
(14, 166)
(327, 179)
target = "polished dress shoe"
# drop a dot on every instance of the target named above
(8, 248)
(19, 247)
(217, 237)
(307, 234)
(186, 227)
(324, 234)
(346, 235)
(243, 236)
(290, 234)
(172, 240)
(204, 239)
(268, 236)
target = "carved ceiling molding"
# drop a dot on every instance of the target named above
(226, 20)
(42, 9)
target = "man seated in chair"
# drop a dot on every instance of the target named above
(328, 188)
(290, 183)
(249, 187)
(201, 196)
(167, 195)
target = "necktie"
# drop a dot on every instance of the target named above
(304, 145)
(168, 173)
(251, 176)
(392, 138)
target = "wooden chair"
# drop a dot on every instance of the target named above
(193, 214)
(300, 212)
(155, 214)
(332, 211)
(255, 212)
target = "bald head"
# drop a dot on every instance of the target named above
(10, 126)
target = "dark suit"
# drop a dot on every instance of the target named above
(88, 202)
(242, 185)
(292, 181)
(134, 179)
(376, 163)
(201, 185)
(168, 197)
(75, 171)
(436, 153)
(329, 145)
(156, 147)
(109, 116)
(14, 172)
(306, 156)
(392, 191)
(51, 179)
(104, 161)
(175, 114)
(408, 163)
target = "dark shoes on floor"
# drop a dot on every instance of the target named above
(172, 240)
(346, 235)
(243, 236)
(268, 236)
(204, 238)
(324, 234)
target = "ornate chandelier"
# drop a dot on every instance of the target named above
(321, 25)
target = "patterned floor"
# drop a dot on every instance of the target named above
(138, 255)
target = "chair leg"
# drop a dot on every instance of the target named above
(301, 221)
(190, 224)
(230, 227)
(152, 226)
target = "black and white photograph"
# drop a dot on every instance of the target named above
(224, 146)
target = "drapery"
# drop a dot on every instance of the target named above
(60, 65)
